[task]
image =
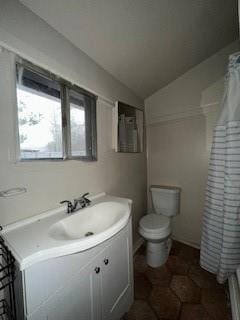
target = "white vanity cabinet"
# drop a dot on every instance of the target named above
(95, 284)
(116, 278)
(78, 299)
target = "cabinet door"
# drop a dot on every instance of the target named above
(44, 279)
(79, 299)
(116, 288)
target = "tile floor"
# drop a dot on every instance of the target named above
(179, 290)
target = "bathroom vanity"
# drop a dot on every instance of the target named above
(62, 274)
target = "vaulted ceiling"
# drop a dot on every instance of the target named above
(143, 43)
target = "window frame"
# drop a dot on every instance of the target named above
(90, 113)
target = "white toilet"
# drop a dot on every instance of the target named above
(155, 227)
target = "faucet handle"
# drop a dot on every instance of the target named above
(86, 200)
(82, 198)
(65, 201)
(85, 194)
(69, 205)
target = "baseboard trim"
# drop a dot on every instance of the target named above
(137, 245)
(188, 243)
(140, 241)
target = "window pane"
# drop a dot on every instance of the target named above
(39, 116)
(77, 124)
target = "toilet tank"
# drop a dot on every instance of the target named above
(166, 200)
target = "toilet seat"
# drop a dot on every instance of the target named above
(155, 226)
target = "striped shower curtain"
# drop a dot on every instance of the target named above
(220, 245)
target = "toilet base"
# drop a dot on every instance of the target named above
(157, 252)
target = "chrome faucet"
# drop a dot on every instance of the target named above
(77, 204)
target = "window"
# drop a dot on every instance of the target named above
(56, 120)
(77, 124)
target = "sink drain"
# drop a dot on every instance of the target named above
(89, 233)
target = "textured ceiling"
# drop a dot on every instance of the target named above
(144, 43)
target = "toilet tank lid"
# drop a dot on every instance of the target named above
(168, 189)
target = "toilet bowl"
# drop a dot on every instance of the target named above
(155, 227)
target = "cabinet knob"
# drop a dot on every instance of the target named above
(97, 269)
(106, 261)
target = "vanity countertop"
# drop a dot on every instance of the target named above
(30, 240)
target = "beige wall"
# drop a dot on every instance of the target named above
(49, 182)
(25, 33)
(180, 120)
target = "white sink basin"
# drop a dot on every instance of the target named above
(105, 218)
(54, 233)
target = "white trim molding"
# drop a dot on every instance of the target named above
(188, 243)
(137, 244)
(211, 107)
(106, 101)
(155, 120)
